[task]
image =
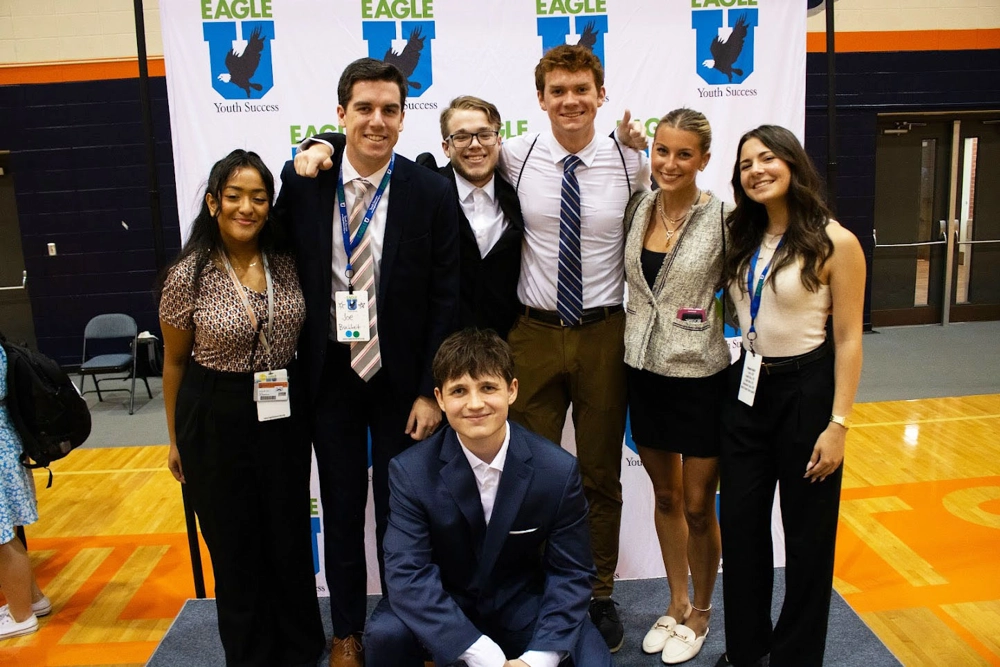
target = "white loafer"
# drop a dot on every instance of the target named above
(682, 645)
(657, 637)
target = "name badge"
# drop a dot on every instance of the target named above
(270, 393)
(751, 374)
(353, 324)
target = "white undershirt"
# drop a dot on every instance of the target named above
(485, 652)
(482, 210)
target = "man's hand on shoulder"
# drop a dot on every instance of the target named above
(425, 415)
(630, 133)
(310, 161)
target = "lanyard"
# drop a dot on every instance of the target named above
(755, 293)
(258, 326)
(345, 228)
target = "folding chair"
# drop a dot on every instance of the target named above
(113, 326)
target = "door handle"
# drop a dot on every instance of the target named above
(944, 226)
(23, 285)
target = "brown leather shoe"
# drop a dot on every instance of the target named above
(347, 652)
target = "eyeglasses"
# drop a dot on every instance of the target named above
(463, 139)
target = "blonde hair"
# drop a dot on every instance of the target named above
(692, 121)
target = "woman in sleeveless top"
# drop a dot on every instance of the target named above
(790, 266)
(676, 357)
(231, 308)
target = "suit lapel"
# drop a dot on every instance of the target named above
(464, 226)
(509, 203)
(514, 483)
(460, 481)
(396, 214)
(328, 220)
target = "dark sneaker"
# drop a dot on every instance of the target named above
(604, 615)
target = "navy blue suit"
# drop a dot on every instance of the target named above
(523, 580)
(417, 308)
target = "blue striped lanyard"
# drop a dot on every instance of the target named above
(755, 293)
(345, 225)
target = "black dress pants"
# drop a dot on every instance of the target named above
(346, 408)
(249, 483)
(770, 443)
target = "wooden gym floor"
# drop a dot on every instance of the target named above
(917, 556)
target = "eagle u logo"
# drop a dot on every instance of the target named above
(724, 59)
(554, 31)
(413, 60)
(242, 69)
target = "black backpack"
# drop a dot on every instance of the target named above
(45, 406)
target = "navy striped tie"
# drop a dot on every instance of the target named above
(569, 296)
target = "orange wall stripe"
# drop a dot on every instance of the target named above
(907, 40)
(95, 70)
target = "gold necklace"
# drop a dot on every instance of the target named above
(679, 222)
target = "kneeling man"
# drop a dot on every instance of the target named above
(487, 551)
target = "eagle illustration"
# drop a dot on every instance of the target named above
(728, 52)
(242, 66)
(406, 61)
(588, 37)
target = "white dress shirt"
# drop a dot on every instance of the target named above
(604, 191)
(485, 652)
(376, 228)
(482, 210)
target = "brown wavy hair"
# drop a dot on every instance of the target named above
(808, 215)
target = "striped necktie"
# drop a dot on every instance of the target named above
(365, 357)
(569, 295)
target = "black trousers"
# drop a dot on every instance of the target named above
(761, 445)
(249, 483)
(388, 641)
(346, 408)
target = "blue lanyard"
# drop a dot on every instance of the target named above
(345, 225)
(755, 293)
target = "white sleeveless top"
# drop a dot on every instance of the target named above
(791, 319)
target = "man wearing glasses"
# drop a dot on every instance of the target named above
(490, 227)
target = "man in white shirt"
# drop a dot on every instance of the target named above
(490, 224)
(568, 343)
(486, 554)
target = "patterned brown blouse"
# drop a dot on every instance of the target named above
(223, 335)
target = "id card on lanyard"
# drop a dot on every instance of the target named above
(270, 388)
(752, 360)
(353, 317)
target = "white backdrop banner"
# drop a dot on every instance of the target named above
(262, 75)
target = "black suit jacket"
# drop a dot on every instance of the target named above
(489, 284)
(418, 275)
(450, 577)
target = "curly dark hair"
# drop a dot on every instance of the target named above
(205, 229)
(806, 236)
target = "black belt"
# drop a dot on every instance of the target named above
(778, 365)
(588, 316)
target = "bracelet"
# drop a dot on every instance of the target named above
(839, 421)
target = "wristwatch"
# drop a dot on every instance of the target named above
(840, 421)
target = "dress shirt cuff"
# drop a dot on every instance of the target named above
(309, 141)
(484, 652)
(543, 658)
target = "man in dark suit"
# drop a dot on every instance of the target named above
(490, 223)
(373, 226)
(487, 553)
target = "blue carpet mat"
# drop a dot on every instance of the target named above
(193, 638)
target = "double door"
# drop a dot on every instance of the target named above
(937, 219)
(15, 308)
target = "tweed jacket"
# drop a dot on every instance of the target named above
(655, 338)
